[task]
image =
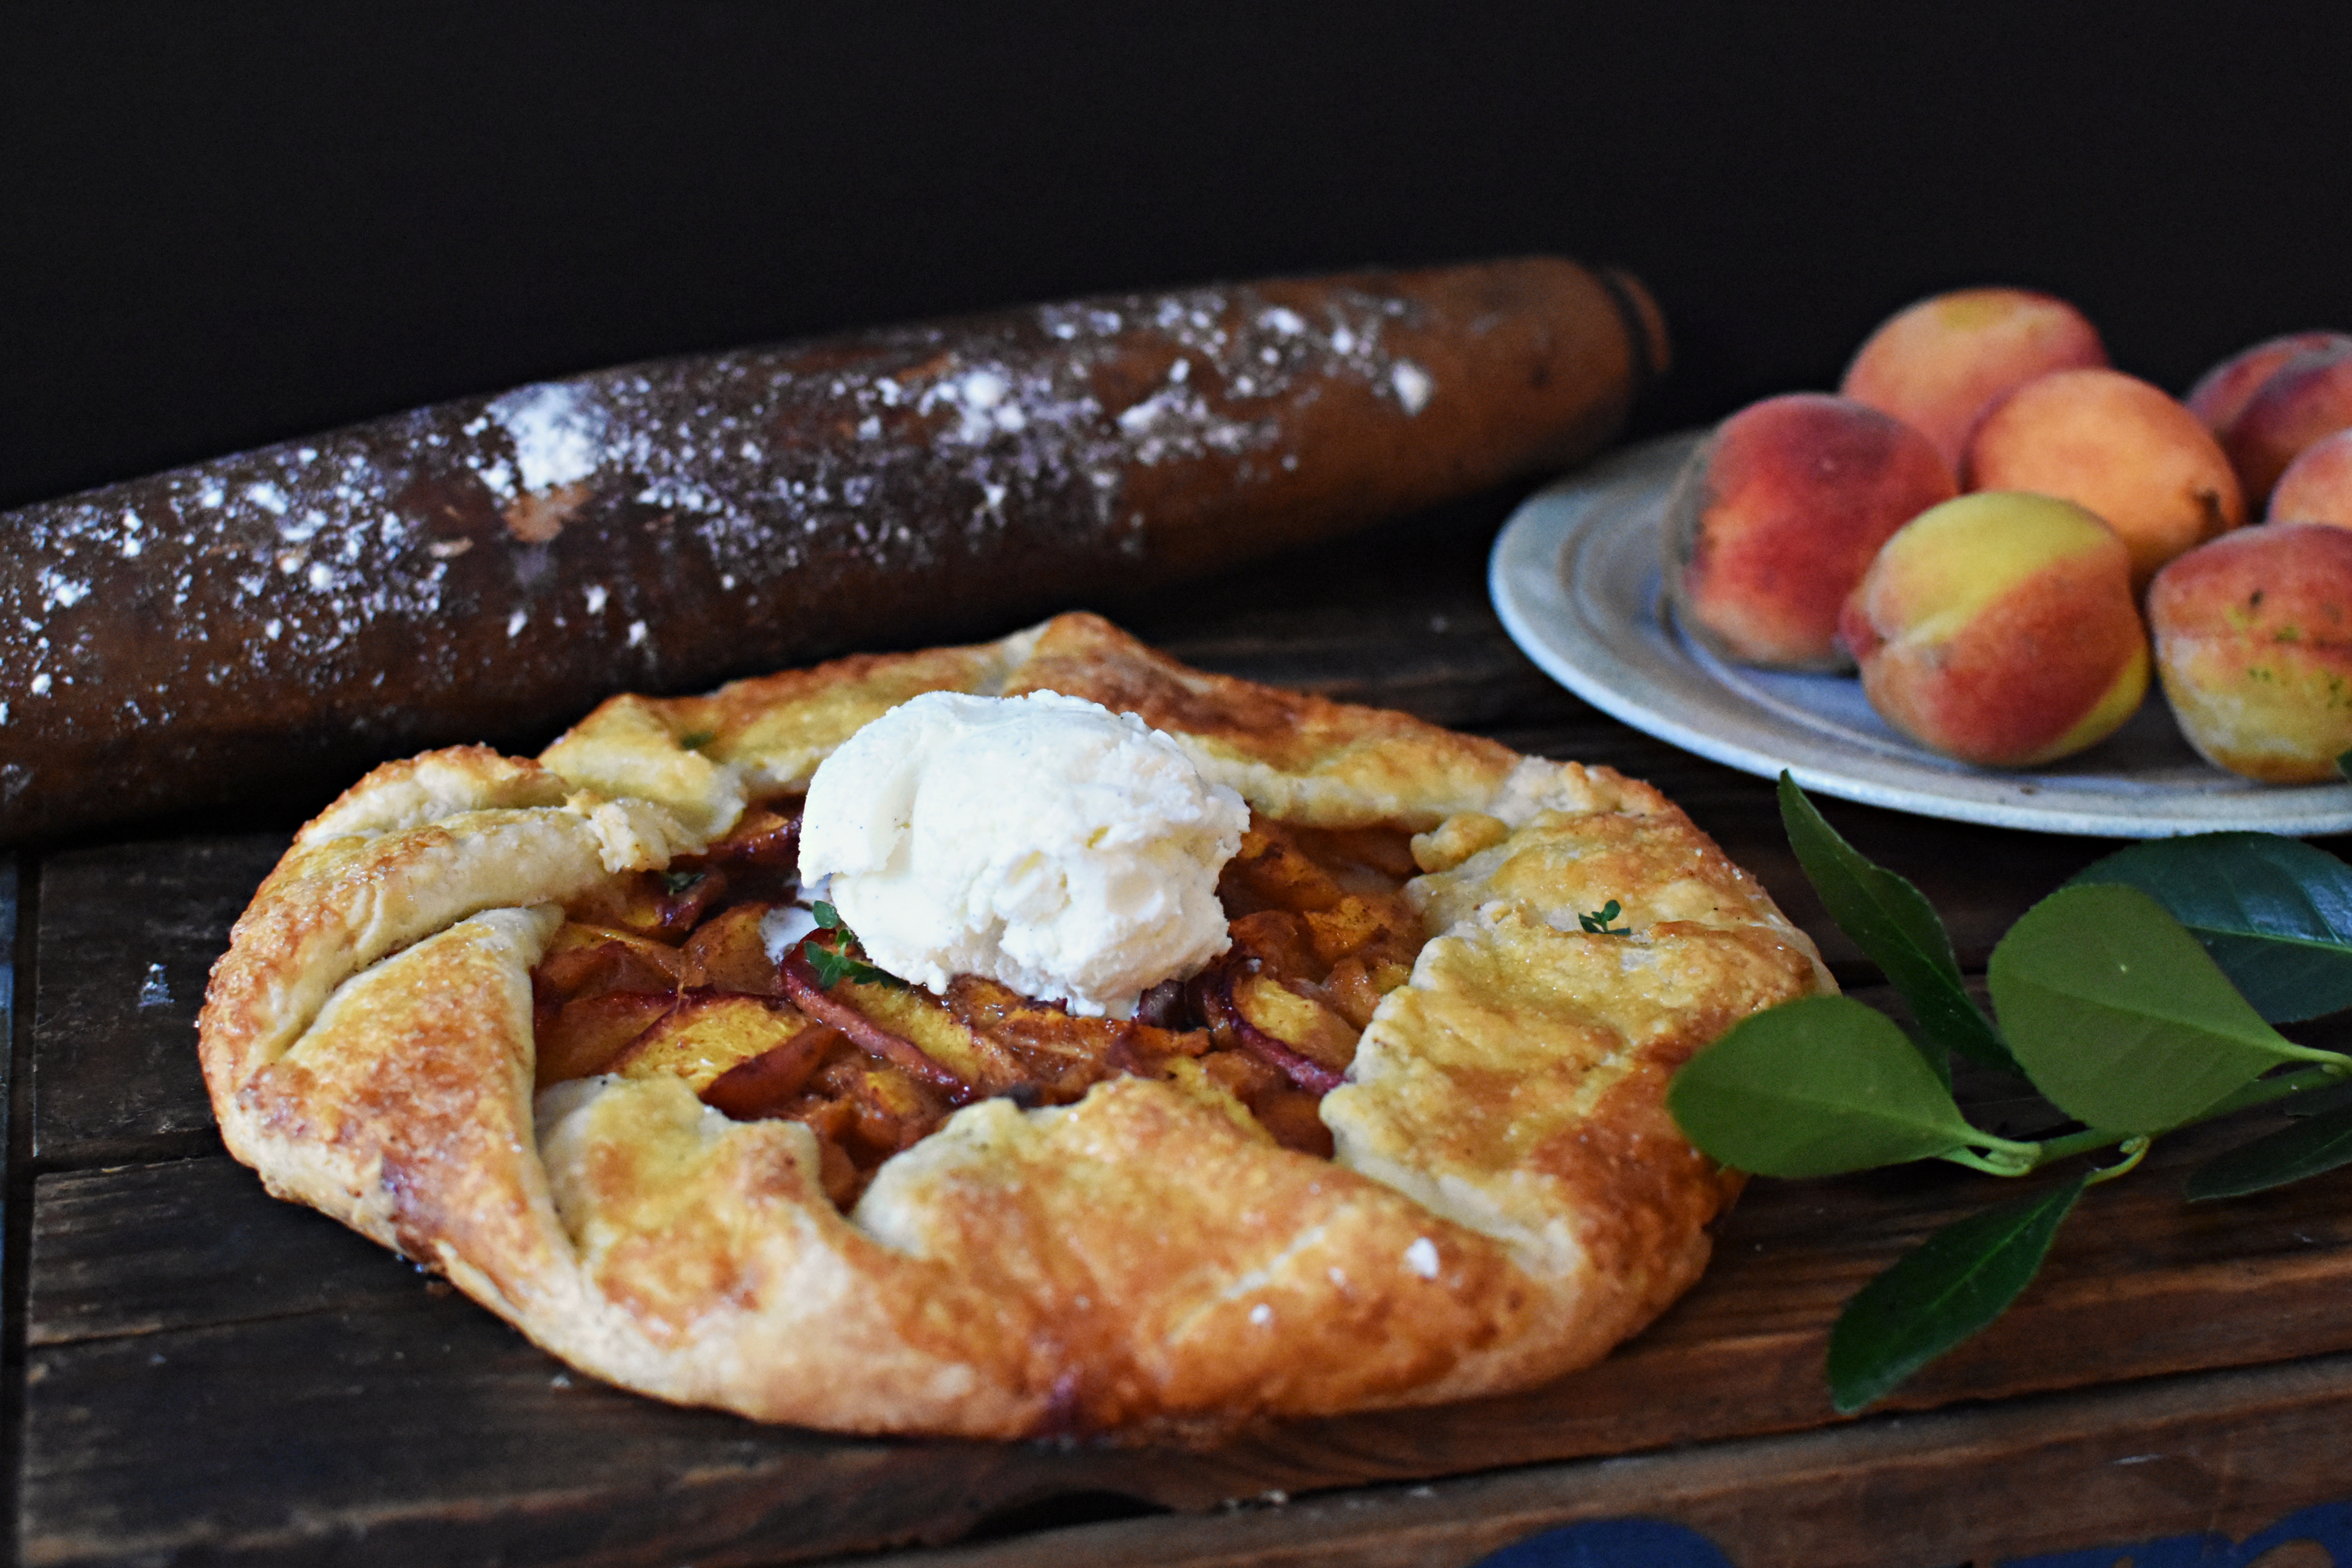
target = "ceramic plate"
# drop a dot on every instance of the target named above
(1576, 579)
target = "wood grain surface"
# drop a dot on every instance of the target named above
(208, 1376)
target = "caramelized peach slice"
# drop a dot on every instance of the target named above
(1213, 991)
(662, 905)
(583, 1035)
(1061, 1054)
(706, 1034)
(921, 1017)
(1306, 1026)
(1271, 871)
(835, 1007)
(1191, 1074)
(1365, 859)
(892, 1111)
(729, 952)
(1381, 926)
(1276, 939)
(1354, 988)
(762, 837)
(585, 960)
(765, 1085)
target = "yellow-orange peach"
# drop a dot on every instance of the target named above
(1778, 515)
(1938, 365)
(2318, 486)
(2221, 391)
(2308, 397)
(2119, 445)
(2254, 644)
(2000, 628)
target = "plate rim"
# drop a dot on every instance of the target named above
(1530, 594)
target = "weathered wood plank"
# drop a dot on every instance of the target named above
(143, 1249)
(8, 935)
(272, 1320)
(215, 1376)
(1395, 615)
(127, 934)
(363, 1415)
(426, 1433)
(1443, 656)
(2139, 1284)
(2228, 1453)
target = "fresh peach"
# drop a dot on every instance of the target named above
(2254, 644)
(2119, 445)
(2318, 486)
(2000, 628)
(2308, 397)
(1940, 363)
(2223, 390)
(1777, 516)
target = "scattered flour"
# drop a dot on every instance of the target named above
(324, 562)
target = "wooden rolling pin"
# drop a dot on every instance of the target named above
(272, 622)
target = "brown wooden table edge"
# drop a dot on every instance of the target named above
(16, 1189)
(2132, 1460)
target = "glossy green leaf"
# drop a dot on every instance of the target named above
(1814, 1087)
(1898, 929)
(1953, 1285)
(2276, 913)
(2318, 1101)
(2304, 1148)
(2118, 1014)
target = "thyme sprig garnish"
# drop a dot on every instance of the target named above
(844, 957)
(1596, 922)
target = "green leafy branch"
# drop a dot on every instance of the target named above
(2137, 999)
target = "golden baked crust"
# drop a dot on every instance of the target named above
(1508, 1199)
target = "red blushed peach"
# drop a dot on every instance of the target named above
(2318, 486)
(1777, 517)
(1940, 363)
(2222, 391)
(2000, 628)
(2253, 643)
(2308, 397)
(2121, 447)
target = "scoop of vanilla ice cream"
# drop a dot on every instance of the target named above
(1070, 852)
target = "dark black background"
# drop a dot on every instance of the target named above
(227, 224)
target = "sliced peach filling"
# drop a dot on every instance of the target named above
(670, 972)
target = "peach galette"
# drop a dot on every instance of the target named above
(819, 1092)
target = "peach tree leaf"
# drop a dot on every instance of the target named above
(1948, 1289)
(1898, 929)
(2120, 1017)
(2274, 913)
(1814, 1087)
(2304, 1148)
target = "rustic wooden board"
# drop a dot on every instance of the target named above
(2226, 1453)
(9, 1204)
(274, 1382)
(127, 935)
(215, 1376)
(1397, 616)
